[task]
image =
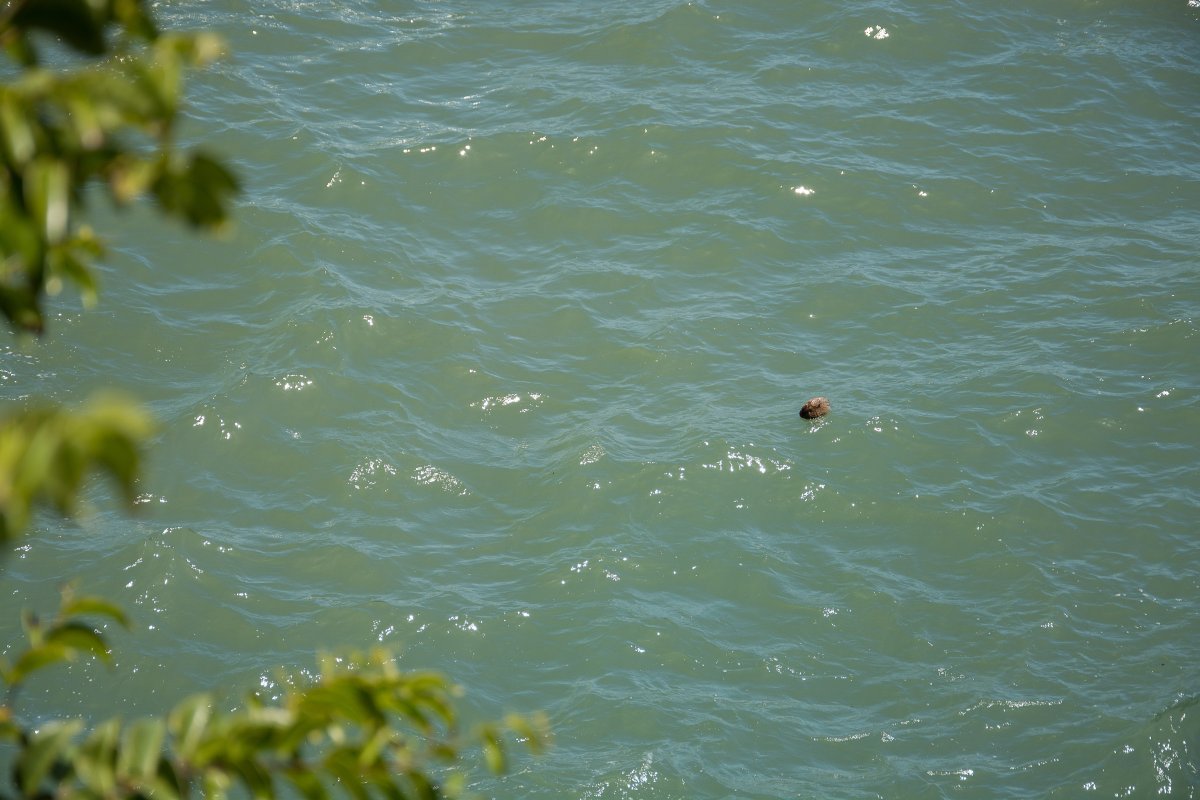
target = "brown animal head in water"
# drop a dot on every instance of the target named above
(817, 407)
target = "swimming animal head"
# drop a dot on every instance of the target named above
(817, 407)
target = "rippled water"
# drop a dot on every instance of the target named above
(503, 363)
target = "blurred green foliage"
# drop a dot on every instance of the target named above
(109, 122)
(361, 727)
(46, 452)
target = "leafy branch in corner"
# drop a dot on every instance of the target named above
(362, 727)
(110, 123)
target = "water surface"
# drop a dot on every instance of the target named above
(503, 363)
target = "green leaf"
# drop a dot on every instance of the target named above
(188, 722)
(342, 698)
(198, 189)
(16, 129)
(45, 453)
(216, 784)
(161, 78)
(369, 752)
(84, 118)
(96, 762)
(530, 729)
(64, 262)
(168, 784)
(493, 749)
(47, 188)
(133, 16)
(46, 748)
(35, 658)
(129, 178)
(94, 605)
(141, 748)
(76, 638)
(342, 763)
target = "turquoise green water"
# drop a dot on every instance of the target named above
(502, 368)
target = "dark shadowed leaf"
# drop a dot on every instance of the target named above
(255, 778)
(78, 638)
(64, 262)
(197, 190)
(306, 782)
(425, 790)
(342, 763)
(73, 20)
(46, 747)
